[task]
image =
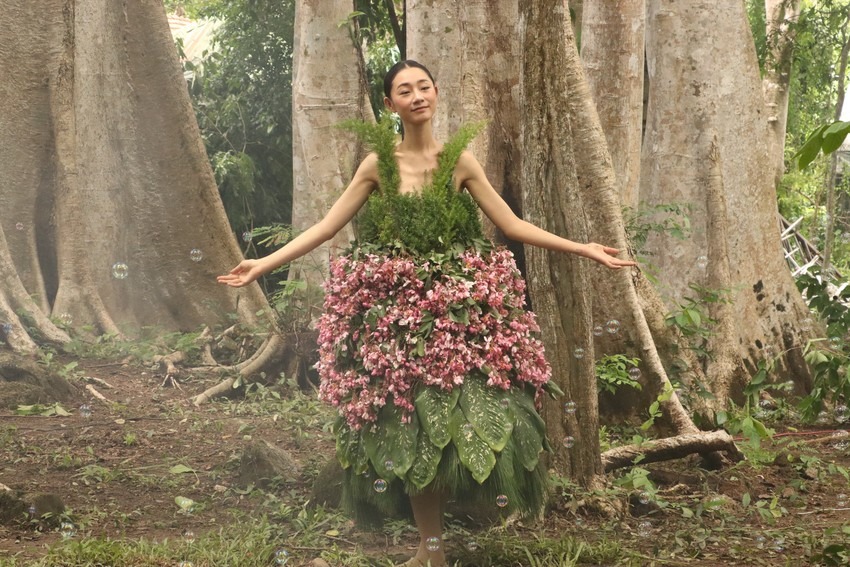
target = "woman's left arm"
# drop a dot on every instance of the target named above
(471, 175)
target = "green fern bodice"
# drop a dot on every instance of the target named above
(433, 220)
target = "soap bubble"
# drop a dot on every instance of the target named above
(67, 530)
(806, 324)
(32, 511)
(66, 319)
(501, 500)
(185, 564)
(634, 373)
(644, 529)
(7, 328)
(578, 353)
(644, 497)
(505, 403)
(19, 226)
(570, 407)
(569, 441)
(841, 414)
(247, 236)
(85, 411)
(389, 465)
(120, 271)
(189, 535)
(760, 539)
(702, 262)
(841, 500)
(196, 255)
(612, 326)
(472, 546)
(598, 330)
(281, 557)
(432, 544)
(380, 486)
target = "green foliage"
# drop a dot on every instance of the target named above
(743, 421)
(242, 95)
(829, 360)
(691, 317)
(826, 138)
(612, 372)
(670, 219)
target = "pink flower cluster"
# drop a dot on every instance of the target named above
(391, 322)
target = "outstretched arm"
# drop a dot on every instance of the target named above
(354, 196)
(471, 175)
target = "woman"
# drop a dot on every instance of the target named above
(425, 346)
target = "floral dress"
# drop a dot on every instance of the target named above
(426, 349)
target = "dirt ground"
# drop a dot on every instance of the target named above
(115, 472)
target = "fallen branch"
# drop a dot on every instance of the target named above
(216, 390)
(97, 394)
(672, 448)
(99, 382)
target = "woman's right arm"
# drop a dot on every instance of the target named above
(352, 199)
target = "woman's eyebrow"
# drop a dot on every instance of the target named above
(407, 85)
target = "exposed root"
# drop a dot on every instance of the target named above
(93, 391)
(218, 390)
(709, 444)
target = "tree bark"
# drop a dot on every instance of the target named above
(703, 77)
(107, 167)
(612, 51)
(558, 283)
(328, 87)
(781, 16)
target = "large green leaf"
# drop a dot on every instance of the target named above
(488, 411)
(810, 150)
(434, 408)
(427, 461)
(475, 454)
(527, 438)
(391, 444)
(834, 136)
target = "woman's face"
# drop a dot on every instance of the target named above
(413, 96)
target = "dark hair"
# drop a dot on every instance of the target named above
(395, 69)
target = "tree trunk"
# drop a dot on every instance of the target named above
(612, 51)
(781, 16)
(704, 78)
(107, 184)
(638, 309)
(558, 283)
(832, 169)
(328, 87)
(477, 72)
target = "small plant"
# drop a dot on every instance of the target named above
(670, 219)
(692, 318)
(744, 421)
(614, 371)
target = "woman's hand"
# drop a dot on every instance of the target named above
(605, 255)
(243, 274)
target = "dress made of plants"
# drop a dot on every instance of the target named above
(426, 349)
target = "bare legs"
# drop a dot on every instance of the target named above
(428, 514)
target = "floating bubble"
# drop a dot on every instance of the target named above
(644, 497)
(501, 500)
(841, 500)
(66, 319)
(845, 237)
(189, 535)
(578, 353)
(760, 539)
(634, 373)
(67, 530)
(85, 411)
(841, 434)
(432, 544)
(569, 441)
(822, 418)
(702, 262)
(472, 546)
(598, 330)
(570, 407)
(835, 342)
(380, 486)
(281, 557)
(644, 529)
(612, 327)
(196, 255)
(185, 564)
(505, 403)
(806, 324)
(389, 465)
(247, 236)
(841, 414)
(779, 544)
(7, 328)
(120, 271)
(32, 511)
(19, 226)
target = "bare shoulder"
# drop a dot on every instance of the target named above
(367, 171)
(468, 167)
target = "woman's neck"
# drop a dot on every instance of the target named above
(418, 138)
